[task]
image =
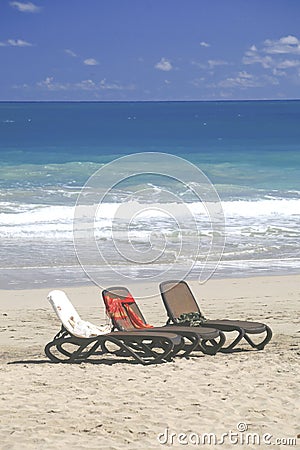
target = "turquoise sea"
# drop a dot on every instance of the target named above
(250, 151)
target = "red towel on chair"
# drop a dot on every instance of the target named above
(119, 308)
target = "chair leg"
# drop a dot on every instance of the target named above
(215, 345)
(158, 357)
(167, 345)
(148, 355)
(57, 344)
(177, 348)
(228, 348)
(189, 348)
(124, 348)
(262, 344)
(76, 356)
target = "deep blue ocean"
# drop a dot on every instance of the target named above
(250, 152)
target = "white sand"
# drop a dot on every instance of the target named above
(118, 404)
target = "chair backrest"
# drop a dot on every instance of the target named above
(64, 309)
(122, 321)
(70, 318)
(178, 299)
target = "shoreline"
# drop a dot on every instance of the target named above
(85, 281)
(138, 286)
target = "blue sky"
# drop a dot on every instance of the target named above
(149, 49)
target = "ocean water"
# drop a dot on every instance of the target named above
(148, 222)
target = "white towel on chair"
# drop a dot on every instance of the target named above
(70, 318)
(86, 329)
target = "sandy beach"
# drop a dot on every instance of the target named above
(118, 404)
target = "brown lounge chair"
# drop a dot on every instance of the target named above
(79, 340)
(179, 299)
(126, 315)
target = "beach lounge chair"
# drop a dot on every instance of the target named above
(179, 301)
(126, 315)
(79, 340)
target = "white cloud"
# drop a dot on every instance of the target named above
(70, 52)
(270, 80)
(286, 44)
(210, 64)
(104, 85)
(243, 80)
(90, 62)
(49, 84)
(20, 86)
(273, 55)
(164, 64)
(288, 63)
(216, 62)
(253, 48)
(199, 64)
(289, 40)
(279, 73)
(252, 57)
(18, 43)
(25, 7)
(204, 44)
(15, 43)
(246, 80)
(197, 82)
(85, 85)
(110, 86)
